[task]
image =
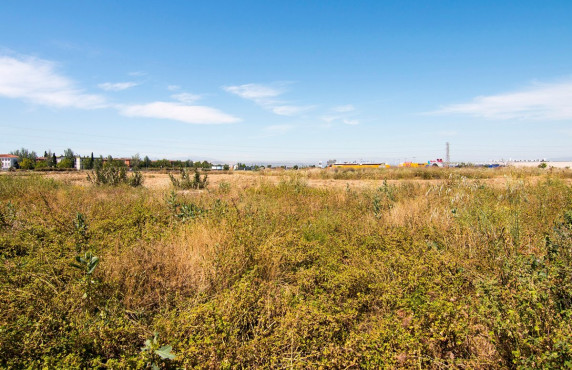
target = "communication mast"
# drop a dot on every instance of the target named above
(447, 157)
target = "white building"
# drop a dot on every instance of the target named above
(8, 161)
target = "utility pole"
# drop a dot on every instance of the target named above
(447, 157)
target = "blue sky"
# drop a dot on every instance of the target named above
(293, 81)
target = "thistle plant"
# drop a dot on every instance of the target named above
(184, 211)
(186, 182)
(80, 230)
(87, 265)
(157, 353)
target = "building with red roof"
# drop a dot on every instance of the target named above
(9, 161)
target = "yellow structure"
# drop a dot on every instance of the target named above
(412, 164)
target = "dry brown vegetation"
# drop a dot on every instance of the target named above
(458, 268)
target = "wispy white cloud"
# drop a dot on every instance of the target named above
(173, 87)
(195, 114)
(267, 97)
(290, 110)
(186, 98)
(37, 81)
(341, 113)
(117, 86)
(329, 119)
(256, 92)
(344, 108)
(539, 102)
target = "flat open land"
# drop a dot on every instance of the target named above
(560, 164)
(317, 178)
(398, 268)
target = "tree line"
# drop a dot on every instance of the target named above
(29, 160)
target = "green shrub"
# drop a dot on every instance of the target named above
(187, 182)
(136, 179)
(65, 163)
(26, 164)
(40, 165)
(114, 174)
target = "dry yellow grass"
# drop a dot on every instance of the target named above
(287, 269)
(245, 179)
(181, 263)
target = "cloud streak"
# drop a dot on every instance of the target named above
(540, 102)
(118, 86)
(344, 108)
(194, 114)
(37, 81)
(351, 122)
(266, 97)
(186, 98)
(290, 110)
(255, 92)
(341, 113)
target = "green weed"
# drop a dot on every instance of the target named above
(186, 181)
(456, 272)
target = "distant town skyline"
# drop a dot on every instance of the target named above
(288, 82)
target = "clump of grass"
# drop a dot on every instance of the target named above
(186, 181)
(114, 175)
(136, 180)
(184, 210)
(224, 187)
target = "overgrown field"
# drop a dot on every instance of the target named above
(455, 273)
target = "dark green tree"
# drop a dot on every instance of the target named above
(49, 159)
(68, 153)
(136, 162)
(146, 162)
(98, 163)
(163, 163)
(25, 153)
(89, 162)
